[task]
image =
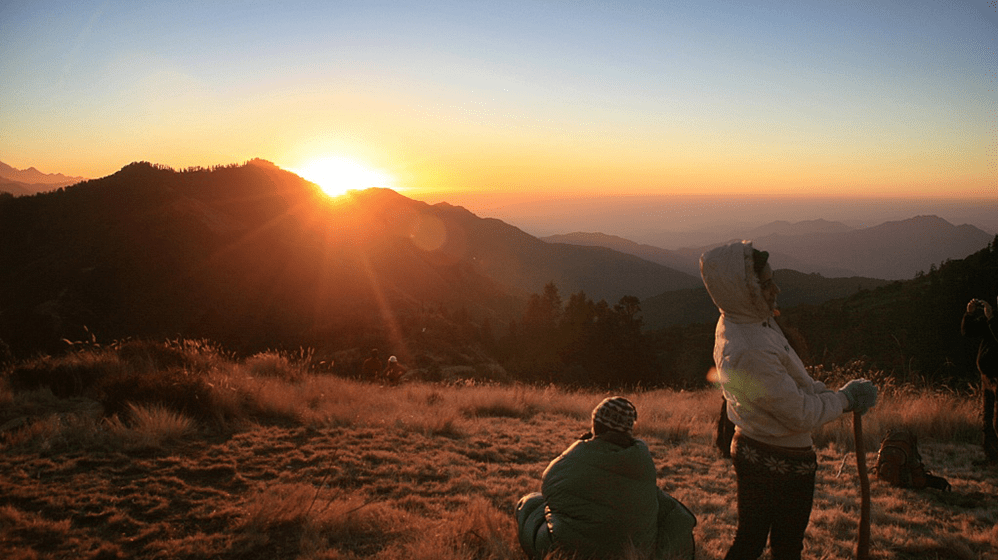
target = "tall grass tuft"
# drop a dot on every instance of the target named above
(149, 427)
(279, 365)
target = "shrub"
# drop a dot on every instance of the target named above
(277, 365)
(88, 367)
(193, 355)
(176, 389)
(71, 375)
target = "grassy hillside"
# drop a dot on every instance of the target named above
(266, 457)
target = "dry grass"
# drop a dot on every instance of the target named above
(319, 467)
(149, 427)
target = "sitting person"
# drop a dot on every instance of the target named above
(394, 372)
(599, 499)
(372, 367)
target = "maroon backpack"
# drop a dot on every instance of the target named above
(899, 463)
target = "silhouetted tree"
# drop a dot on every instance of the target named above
(583, 344)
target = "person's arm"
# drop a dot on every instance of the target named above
(971, 326)
(820, 387)
(763, 383)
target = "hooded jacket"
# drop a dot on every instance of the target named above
(770, 396)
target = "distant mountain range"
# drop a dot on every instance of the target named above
(665, 257)
(892, 251)
(253, 256)
(30, 181)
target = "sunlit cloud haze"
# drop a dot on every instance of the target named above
(591, 99)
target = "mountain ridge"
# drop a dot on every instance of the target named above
(252, 255)
(665, 257)
(892, 250)
(796, 288)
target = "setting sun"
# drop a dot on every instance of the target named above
(337, 175)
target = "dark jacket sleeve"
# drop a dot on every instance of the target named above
(977, 326)
(974, 325)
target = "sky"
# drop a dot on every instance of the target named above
(465, 100)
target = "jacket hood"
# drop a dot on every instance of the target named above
(731, 282)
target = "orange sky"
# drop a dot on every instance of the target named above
(872, 99)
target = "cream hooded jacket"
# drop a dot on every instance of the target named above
(771, 398)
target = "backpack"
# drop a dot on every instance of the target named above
(899, 463)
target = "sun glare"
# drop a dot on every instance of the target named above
(337, 175)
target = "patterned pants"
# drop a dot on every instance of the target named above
(775, 494)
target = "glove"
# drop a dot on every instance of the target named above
(862, 395)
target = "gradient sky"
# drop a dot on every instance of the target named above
(865, 97)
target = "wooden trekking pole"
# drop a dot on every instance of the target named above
(863, 539)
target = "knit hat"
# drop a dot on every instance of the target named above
(616, 413)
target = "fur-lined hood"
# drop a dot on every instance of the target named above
(728, 274)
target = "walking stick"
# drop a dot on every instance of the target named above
(863, 539)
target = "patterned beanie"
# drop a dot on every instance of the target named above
(616, 413)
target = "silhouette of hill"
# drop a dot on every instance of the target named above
(664, 257)
(895, 250)
(796, 288)
(246, 255)
(909, 327)
(892, 250)
(18, 188)
(524, 263)
(254, 256)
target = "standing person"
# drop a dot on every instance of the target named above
(978, 322)
(371, 369)
(600, 499)
(772, 401)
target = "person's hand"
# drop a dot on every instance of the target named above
(862, 395)
(988, 310)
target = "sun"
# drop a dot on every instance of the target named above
(336, 175)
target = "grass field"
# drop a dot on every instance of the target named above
(291, 464)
